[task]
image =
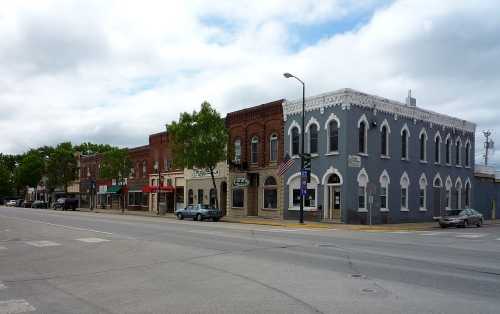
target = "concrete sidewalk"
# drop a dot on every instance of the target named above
(292, 224)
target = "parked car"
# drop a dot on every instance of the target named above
(65, 203)
(11, 203)
(19, 203)
(27, 204)
(39, 204)
(460, 218)
(199, 212)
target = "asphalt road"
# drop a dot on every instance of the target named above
(72, 262)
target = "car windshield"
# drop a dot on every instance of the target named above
(455, 212)
(204, 206)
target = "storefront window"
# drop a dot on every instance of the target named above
(200, 196)
(309, 200)
(238, 197)
(270, 193)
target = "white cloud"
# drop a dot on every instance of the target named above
(115, 71)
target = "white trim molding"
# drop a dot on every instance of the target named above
(345, 98)
(329, 172)
(422, 182)
(312, 121)
(332, 116)
(362, 183)
(292, 125)
(404, 183)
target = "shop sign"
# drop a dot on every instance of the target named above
(240, 182)
(354, 161)
(200, 173)
(103, 188)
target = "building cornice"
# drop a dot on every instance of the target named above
(345, 98)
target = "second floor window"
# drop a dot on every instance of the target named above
(423, 148)
(333, 136)
(313, 139)
(273, 148)
(448, 151)
(295, 141)
(404, 144)
(254, 149)
(237, 150)
(458, 147)
(362, 137)
(384, 143)
(437, 149)
(467, 153)
(144, 169)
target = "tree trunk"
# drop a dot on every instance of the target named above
(215, 187)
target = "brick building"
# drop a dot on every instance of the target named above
(136, 198)
(256, 149)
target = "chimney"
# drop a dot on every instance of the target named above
(410, 101)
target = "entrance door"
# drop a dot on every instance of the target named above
(437, 202)
(223, 197)
(253, 187)
(334, 201)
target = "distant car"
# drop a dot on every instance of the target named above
(199, 212)
(460, 218)
(39, 204)
(27, 204)
(11, 203)
(19, 203)
(65, 203)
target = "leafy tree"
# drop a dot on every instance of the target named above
(199, 141)
(30, 169)
(116, 165)
(88, 148)
(61, 166)
(6, 184)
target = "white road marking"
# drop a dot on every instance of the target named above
(15, 306)
(42, 243)
(92, 240)
(429, 233)
(2, 286)
(471, 235)
(498, 239)
(400, 232)
(3, 248)
(57, 225)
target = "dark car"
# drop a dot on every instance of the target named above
(199, 212)
(19, 203)
(27, 204)
(65, 203)
(39, 204)
(461, 218)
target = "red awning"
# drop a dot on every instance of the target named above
(153, 188)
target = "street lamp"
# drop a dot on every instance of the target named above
(301, 212)
(157, 168)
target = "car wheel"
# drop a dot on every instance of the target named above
(215, 219)
(479, 223)
(466, 223)
(442, 226)
(179, 216)
(199, 217)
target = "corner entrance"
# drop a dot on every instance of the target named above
(333, 208)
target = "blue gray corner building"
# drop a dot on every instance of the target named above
(377, 160)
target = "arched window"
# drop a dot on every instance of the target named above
(458, 148)
(448, 150)
(384, 141)
(333, 136)
(333, 179)
(362, 197)
(295, 141)
(437, 148)
(313, 139)
(273, 147)
(254, 145)
(190, 197)
(404, 144)
(362, 137)
(212, 198)
(467, 194)
(270, 193)
(458, 194)
(467, 154)
(448, 186)
(237, 150)
(384, 191)
(200, 196)
(405, 183)
(422, 197)
(423, 146)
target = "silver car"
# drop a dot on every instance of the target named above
(461, 218)
(199, 212)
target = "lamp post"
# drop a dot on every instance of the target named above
(301, 212)
(157, 168)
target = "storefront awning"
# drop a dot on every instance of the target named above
(114, 189)
(153, 188)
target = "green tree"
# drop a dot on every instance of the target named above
(61, 166)
(30, 169)
(116, 165)
(6, 182)
(88, 148)
(199, 141)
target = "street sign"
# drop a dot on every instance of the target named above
(303, 183)
(307, 161)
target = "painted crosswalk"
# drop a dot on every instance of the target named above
(42, 243)
(16, 306)
(92, 240)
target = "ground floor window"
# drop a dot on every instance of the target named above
(421, 198)
(238, 197)
(179, 195)
(190, 197)
(361, 197)
(200, 196)
(404, 198)
(135, 198)
(309, 200)
(383, 198)
(270, 198)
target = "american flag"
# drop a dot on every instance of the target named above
(285, 165)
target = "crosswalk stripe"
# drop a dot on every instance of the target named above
(3, 248)
(15, 306)
(92, 240)
(470, 235)
(42, 243)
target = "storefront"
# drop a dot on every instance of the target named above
(167, 194)
(200, 187)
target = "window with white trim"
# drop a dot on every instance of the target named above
(273, 148)
(467, 194)
(437, 149)
(448, 151)
(295, 141)
(254, 150)
(313, 139)
(423, 146)
(422, 196)
(362, 137)
(448, 186)
(362, 195)
(384, 191)
(404, 183)
(384, 141)
(237, 150)
(404, 144)
(458, 156)
(467, 154)
(333, 136)
(458, 194)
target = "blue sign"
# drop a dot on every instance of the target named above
(303, 186)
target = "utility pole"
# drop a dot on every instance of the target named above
(488, 144)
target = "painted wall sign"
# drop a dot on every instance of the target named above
(200, 173)
(240, 182)
(354, 161)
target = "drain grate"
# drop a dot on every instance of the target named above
(368, 290)
(356, 276)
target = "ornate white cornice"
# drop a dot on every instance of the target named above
(345, 98)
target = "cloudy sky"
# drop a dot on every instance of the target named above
(116, 71)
